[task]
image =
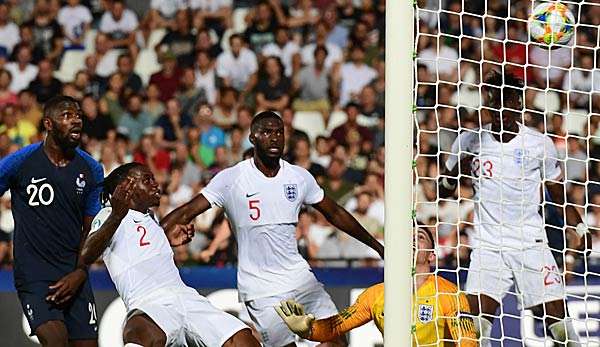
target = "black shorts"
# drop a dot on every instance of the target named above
(79, 315)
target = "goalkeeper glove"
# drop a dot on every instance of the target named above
(293, 315)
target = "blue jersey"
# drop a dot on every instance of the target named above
(48, 205)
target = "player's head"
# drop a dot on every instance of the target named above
(62, 121)
(266, 134)
(423, 246)
(503, 94)
(146, 192)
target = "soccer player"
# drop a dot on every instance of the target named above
(161, 309)
(262, 197)
(55, 195)
(439, 309)
(509, 162)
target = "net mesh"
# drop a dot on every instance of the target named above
(457, 44)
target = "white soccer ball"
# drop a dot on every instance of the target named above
(551, 23)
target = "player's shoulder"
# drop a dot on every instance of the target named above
(373, 292)
(534, 134)
(445, 286)
(296, 170)
(234, 171)
(100, 218)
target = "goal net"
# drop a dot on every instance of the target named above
(457, 44)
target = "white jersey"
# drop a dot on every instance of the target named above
(507, 184)
(263, 212)
(139, 257)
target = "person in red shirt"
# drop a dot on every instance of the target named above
(168, 78)
(351, 128)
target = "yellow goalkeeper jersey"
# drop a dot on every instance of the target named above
(438, 309)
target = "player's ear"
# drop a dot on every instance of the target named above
(252, 137)
(47, 122)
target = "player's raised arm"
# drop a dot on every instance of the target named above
(341, 219)
(457, 163)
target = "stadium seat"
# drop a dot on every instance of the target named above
(548, 101)
(225, 39)
(310, 122)
(72, 62)
(576, 121)
(336, 118)
(367, 121)
(155, 37)
(89, 42)
(146, 64)
(239, 22)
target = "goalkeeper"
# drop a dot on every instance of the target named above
(443, 325)
(508, 162)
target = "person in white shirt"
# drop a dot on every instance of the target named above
(161, 309)
(75, 20)
(119, 23)
(9, 31)
(22, 71)
(508, 164)
(284, 49)
(335, 55)
(355, 75)
(262, 197)
(238, 66)
(206, 77)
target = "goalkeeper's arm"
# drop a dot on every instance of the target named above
(327, 329)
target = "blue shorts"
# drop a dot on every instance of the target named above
(79, 315)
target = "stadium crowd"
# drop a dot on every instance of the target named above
(562, 99)
(174, 84)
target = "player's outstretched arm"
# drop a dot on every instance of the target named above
(341, 219)
(577, 231)
(63, 290)
(184, 214)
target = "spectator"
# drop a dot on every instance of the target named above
(96, 124)
(291, 134)
(163, 12)
(210, 136)
(9, 31)
(322, 152)
(119, 23)
(111, 101)
(167, 80)
(37, 53)
(190, 172)
(338, 33)
(179, 192)
(206, 78)
(105, 59)
(7, 97)
(19, 130)
(221, 161)
(301, 157)
(82, 83)
(133, 82)
(205, 43)
(302, 16)
(75, 20)
(47, 33)
(307, 247)
(97, 84)
(29, 108)
(188, 95)
(261, 30)
(135, 120)
(225, 111)
(363, 204)
(149, 153)
(153, 104)
(235, 144)
(273, 87)
(368, 103)
(350, 128)
(355, 75)
(238, 66)
(285, 49)
(314, 86)
(108, 158)
(180, 41)
(244, 119)
(22, 71)
(334, 53)
(170, 127)
(334, 185)
(45, 85)
(213, 14)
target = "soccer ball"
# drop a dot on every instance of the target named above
(551, 23)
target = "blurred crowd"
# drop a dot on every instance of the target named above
(458, 43)
(174, 84)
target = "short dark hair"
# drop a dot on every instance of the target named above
(264, 115)
(234, 36)
(500, 87)
(114, 179)
(52, 106)
(321, 48)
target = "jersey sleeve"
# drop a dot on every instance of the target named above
(216, 190)
(551, 169)
(455, 308)
(9, 165)
(354, 316)
(461, 144)
(313, 192)
(97, 222)
(92, 200)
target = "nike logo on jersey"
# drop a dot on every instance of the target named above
(251, 195)
(34, 180)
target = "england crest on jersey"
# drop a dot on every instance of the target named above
(425, 313)
(290, 191)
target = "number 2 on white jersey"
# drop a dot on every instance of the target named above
(141, 229)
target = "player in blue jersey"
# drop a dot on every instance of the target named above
(55, 189)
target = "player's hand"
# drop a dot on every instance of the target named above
(181, 234)
(294, 317)
(120, 200)
(64, 290)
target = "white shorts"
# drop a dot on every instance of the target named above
(533, 271)
(272, 329)
(185, 316)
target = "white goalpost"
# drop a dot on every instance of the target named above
(398, 171)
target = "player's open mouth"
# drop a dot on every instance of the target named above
(75, 134)
(274, 149)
